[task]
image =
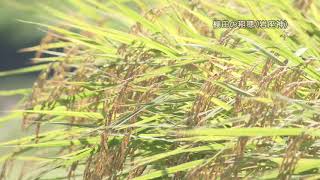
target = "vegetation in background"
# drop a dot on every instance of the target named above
(147, 89)
(10, 29)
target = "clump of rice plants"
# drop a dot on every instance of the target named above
(148, 89)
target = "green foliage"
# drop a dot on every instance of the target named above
(148, 89)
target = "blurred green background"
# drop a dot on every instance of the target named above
(15, 35)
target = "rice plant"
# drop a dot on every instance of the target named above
(149, 89)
